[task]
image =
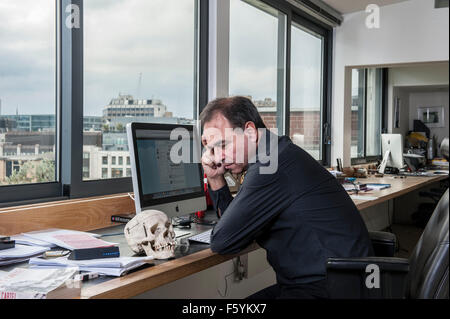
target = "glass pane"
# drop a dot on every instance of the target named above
(306, 90)
(257, 58)
(27, 91)
(374, 108)
(139, 66)
(358, 101)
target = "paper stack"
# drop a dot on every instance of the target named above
(24, 240)
(20, 253)
(68, 239)
(105, 266)
(22, 283)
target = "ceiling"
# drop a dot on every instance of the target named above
(347, 6)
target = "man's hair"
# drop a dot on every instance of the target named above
(238, 110)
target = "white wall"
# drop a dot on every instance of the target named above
(401, 79)
(411, 31)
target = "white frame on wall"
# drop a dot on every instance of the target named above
(432, 109)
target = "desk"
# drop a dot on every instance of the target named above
(164, 272)
(169, 271)
(399, 187)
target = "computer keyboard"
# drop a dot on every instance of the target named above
(204, 237)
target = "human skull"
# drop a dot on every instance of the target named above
(151, 232)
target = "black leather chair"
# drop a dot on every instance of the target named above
(423, 275)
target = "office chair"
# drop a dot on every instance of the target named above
(423, 276)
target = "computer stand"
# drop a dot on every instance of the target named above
(384, 162)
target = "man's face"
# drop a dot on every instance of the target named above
(230, 147)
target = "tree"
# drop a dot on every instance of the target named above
(119, 127)
(105, 128)
(33, 172)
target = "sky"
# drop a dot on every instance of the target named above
(126, 38)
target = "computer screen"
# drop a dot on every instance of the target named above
(172, 185)
(159, 175)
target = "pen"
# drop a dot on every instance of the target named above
(56, 253)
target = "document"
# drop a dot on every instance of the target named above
(68, 239)
(104, 266)
(20, 253)
(363, 197)
(25, 283)
(23, 240)
(376, 186)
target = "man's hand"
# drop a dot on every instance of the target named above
(214, 171)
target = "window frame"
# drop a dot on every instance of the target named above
(302, 18)
(76, 187)
(326, 33)
(384, 118)
(20, 194)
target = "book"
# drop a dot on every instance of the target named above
(27, 283)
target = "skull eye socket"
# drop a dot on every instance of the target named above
(167, 224)
(153, 228)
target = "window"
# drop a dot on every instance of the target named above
(139, 65)
(116, 172)
(306, 105)
(137, 61)
(28, 150)
(367, 113)
(257, 58)
(281, 60)
(358, 107)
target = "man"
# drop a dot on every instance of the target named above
(299, 213)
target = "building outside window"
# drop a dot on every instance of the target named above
(137, 72)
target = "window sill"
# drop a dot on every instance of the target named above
(83, 214)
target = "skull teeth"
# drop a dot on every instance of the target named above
(159, 247)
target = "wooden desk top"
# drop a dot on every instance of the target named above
(146, 279)
(399, 187)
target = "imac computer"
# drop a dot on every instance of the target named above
(173, 187)
(392, 150)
